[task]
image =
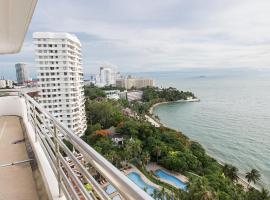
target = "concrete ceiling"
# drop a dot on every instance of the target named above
(15, 17)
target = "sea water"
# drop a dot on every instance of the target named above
(232, 120)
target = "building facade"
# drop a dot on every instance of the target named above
(21, 73)
(106, 77)
(132, 82)
(60, 78)
(6, 84)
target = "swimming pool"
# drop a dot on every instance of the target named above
(110, 189)
(172, 179)
(117, 197)
(136, 178)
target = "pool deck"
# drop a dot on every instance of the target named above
(153, 167)
(16, 182)
(144, 178)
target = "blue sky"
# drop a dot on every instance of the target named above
(156, 35)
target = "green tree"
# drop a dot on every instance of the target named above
(145, 158)
(155, 194)
(230, 171)
(93, 92)
(134, 149)
(157, 151)
(264, 194)
(104, 113)
(253, 176)
(130, 128)
(200, 190)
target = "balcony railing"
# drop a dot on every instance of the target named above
(79, 170)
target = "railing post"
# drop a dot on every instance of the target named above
(58, 164)
(35, 123)
(27, 108)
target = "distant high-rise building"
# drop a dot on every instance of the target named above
(6, 83)
(132, 82)
(60, 75)
(107, 76)
(21, 73)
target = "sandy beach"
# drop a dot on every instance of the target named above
(151, 109)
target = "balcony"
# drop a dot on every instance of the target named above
(13, 151)
(34, 153)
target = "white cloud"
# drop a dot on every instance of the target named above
(157, 34)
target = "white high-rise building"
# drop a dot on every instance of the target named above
(21, 73)
(107, 76)
(60, 75)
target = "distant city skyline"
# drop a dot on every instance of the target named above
(155, 35)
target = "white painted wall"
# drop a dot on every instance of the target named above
(15, 105)
(11, 105)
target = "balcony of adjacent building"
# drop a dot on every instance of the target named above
(42, 159)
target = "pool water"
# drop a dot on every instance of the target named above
(110, 189)
(172, 179)
(117, 197)
(136, 178)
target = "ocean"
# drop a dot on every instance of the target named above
(232, 120)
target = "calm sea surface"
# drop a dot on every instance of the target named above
(232, 120)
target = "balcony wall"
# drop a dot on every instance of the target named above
(15, 105)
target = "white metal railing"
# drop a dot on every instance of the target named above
(80, 166)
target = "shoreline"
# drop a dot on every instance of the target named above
(151, 109)
(240, 180)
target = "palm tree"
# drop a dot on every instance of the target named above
(230, 171)
(200, 190)
(133, 149)
(157, 152)
(145, 189)
(253, 176)
(168, 196)
(265, 194)
(155, 194)
(162, 193)
(145, 158)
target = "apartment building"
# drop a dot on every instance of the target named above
(60, 77)
(132, 82)
(6, 83)
(106, 77)
(21, 73)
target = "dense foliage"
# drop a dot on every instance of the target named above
(167, 147)
(165, 94)
(93, 92)
(110, 87)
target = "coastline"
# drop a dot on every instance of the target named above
(151, 109)
(240, 180)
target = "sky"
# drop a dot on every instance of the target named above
(155, 35)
